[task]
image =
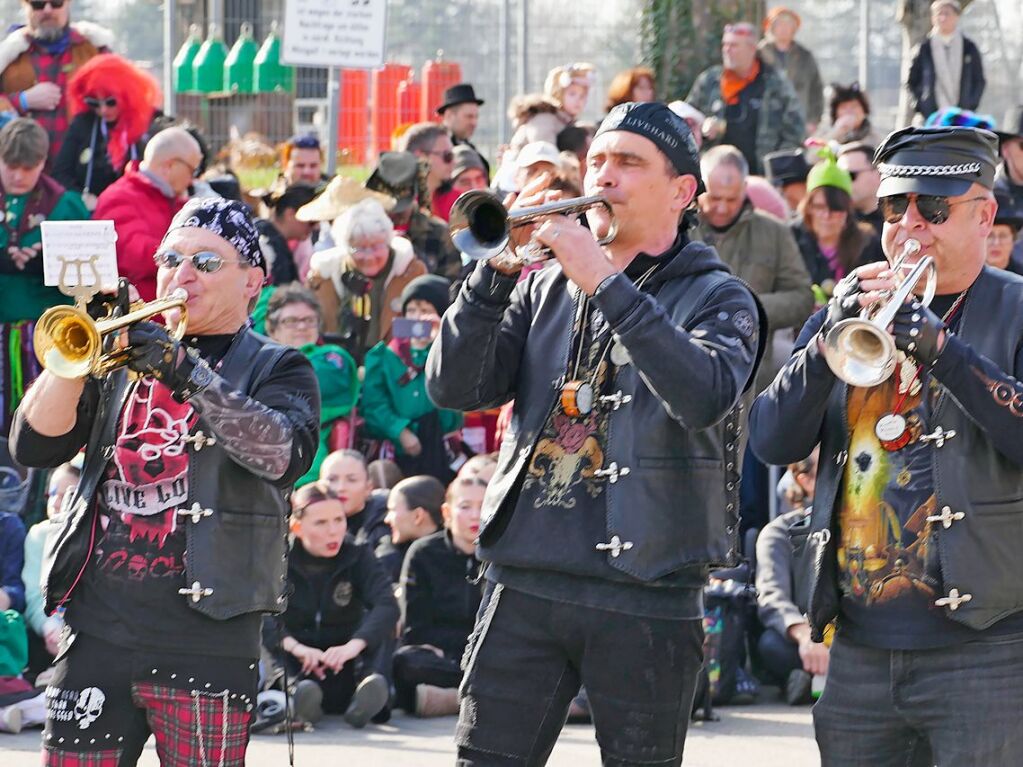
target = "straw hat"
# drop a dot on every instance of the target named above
(340, 194)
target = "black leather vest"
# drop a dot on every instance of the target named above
(980, 548)
(236, 523)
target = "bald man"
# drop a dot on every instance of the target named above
(142, 203)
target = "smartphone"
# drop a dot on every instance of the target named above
(403, 327)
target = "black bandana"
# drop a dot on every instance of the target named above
(228, 219)
(653, 120)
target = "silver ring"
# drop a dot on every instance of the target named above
(911, 346)
(913, 332)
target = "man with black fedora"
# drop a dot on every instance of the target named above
(919, 490)
(460, 114)
(1009, 178)
(787, 170)
(617, 481)
(402, 176)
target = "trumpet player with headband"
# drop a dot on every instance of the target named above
(174, 542)
(617, 481)
(918, 511)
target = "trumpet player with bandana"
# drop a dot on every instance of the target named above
(918, 511)
(617, 480)
(174, 542)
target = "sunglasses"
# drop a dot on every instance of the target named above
(38, 5)
(933, 208)
(204, 261)
(445, 155)
(94, 102)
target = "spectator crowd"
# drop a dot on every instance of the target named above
(383, 581)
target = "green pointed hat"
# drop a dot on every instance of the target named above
(827, 173)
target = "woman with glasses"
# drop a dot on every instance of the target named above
(830, 237)
(113, 104)
(1004, 233)
(359, 281)
(294, 319)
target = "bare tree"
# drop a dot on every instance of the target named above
(915, 18)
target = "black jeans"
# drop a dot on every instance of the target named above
(415, 664)
(950, 707)
(527, 657)
(778, 657)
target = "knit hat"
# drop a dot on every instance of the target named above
(431, 288)
(827, 173)
(950, 116)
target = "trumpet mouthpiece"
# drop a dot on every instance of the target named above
(179, 294)
(911, 248)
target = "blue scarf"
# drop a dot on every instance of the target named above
(53, 47)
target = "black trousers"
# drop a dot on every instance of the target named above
(415, 664)
(528, 656)
(778, 657)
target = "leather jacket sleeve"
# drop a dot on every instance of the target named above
(992, 397)
(786, 418)
(381, 619)
(475, 360)
(698, 372)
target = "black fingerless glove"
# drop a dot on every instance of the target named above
(152, 352)
(917, 331)
(844, 303)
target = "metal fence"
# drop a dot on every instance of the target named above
(505, 47)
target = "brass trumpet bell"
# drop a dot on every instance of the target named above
(69, 343)
(481, 226)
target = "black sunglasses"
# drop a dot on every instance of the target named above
(204, 261)
(94, 102)
(933, 208)
(38, 5)
(446, 155)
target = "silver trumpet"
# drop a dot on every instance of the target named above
(860, 350)
(481, 226)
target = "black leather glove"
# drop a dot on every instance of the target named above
(114, 304)
(152, 352)
(917, 331)
(844, 303)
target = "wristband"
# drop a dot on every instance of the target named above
(23, 101)
(604, 283)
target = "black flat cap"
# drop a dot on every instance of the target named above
(1012, 125)
(397, 175)
(786, 166)
(459, 94)
(942, 161)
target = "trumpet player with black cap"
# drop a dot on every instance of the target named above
(174, 542)
(617, 482)
(919, 499)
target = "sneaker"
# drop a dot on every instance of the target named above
(307, 701)
(271, 707)
(10, 719)
(798, 688)
(746, 689)
(436, 701)
(579, 710)
(370, 696)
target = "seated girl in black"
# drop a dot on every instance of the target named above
(439, 599)
(341, 610)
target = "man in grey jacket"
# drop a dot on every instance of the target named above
(626, 363)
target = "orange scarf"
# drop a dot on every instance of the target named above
(732, 85)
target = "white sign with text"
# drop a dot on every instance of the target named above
(79, 252)
(334, 33)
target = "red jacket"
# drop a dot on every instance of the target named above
(141, 214)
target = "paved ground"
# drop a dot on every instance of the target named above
(766, 734)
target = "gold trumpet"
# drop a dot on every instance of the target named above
(860, 350)
(481, 226)
(69, 343)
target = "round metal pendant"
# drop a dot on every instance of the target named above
(892, 431)
(619, 355)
